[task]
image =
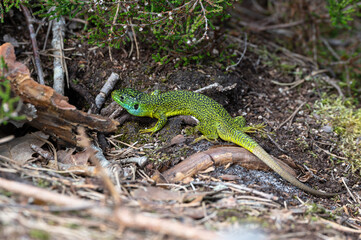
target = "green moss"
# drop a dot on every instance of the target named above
(130, 133)
(73, 225)
(302, 143)
(345, 120)
(316, 210)
(242, 216)
(313, 154)
(42, 183)
(39, 234)
(287, 67)
(190, 131)
(6, 193)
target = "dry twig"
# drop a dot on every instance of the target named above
(107, 87)
(135, 39)
(111, 31)
(29, 21)
(290, 118)
(243, 53)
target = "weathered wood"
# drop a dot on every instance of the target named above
(54, 115)
(215, 156)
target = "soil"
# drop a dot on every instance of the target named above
(251, 93)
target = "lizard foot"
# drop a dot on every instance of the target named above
(253, 129)
(150, 130)
(203, 137)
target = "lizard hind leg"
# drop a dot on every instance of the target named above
(240, 124)
(209, 133)
(240, 121)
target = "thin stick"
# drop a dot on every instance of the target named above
(111, 31)
(244, 52)
(339, 227)
(334, 84)
(29, 22)
(107, 87)
(275, 143)
(98, 159)
(290, 118)
(6, 139)
(331, 154)
(205, 33)
(349, 192)
(43, 194)
(135, 39)
(47, 34)
(314, 43)
(127, 218)
(239, 187)
(332, 51)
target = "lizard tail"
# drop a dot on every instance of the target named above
(267, 159)
(243, 140)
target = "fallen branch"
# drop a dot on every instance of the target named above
(53, 114)
(215, 156)
(43, 194)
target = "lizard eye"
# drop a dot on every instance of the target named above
(136, 106)
(121, 98)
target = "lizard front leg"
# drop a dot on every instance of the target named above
(162, 120)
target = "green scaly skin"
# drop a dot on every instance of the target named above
(213, 122)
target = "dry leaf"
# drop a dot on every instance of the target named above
(78, 159)
(306, 177)
(208, 170)
(228, 177)
(19, 149)
(157, 194)
(178, 139)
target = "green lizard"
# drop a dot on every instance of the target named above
(213, 121)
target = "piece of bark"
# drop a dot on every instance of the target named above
(218, 156)
(55, 116)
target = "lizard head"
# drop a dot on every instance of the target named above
(130, 99)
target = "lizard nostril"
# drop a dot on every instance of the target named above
(136, 106)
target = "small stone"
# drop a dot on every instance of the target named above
(327, 129)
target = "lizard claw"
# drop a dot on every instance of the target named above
(203, 137)
(253, 129)
(151, 131)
